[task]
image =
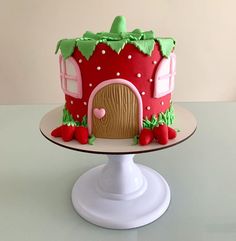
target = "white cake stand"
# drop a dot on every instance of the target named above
(120, 194)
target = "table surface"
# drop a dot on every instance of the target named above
(36, 179)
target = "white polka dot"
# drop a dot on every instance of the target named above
(90, 85)
(139, 75)
(80, 61)
(162, 103)
(150, 80)
(148, 108)
(143, 93)
(103, 51)
(99, 68)
(118, 74)
(72, 102)
(154, 62)
(77, 116)
(129, 56)
(85, 103)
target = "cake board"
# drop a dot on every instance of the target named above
(120, 194)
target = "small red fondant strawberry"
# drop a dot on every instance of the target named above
(146, 136)
(171, 133)
(81, 134)
(56, 132)
(161, 134)
(67, 132)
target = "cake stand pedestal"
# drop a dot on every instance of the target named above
(120, 194)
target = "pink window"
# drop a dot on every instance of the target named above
(71, 81)
(165, 76)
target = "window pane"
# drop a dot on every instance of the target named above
(72, 86)
(164, 68)
(163, 85)
(70, 68)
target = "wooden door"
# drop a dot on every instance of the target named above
(120, 106)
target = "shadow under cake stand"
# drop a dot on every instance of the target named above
(120, 194)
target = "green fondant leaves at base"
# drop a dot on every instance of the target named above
(166, 46)
(90, 35)
(117, 45)
(145, 46)
(163, 118)
(84, 121)
(86, 47)
(67, 118)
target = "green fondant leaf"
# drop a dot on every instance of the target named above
(148, 35)
(90, 36)
(86, 47)
(58, 46)
(146, 46)
(166, 46)
(109, 36)
(67, 47)
(137, 30)
(117, 45)
(91, 140)
(135, 140)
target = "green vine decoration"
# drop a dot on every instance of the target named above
(116, 39)
(163, 118)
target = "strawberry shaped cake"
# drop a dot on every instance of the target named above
(117, 84)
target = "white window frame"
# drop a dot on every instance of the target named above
(65, 76)
(169, 76)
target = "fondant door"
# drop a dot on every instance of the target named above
(115, 112)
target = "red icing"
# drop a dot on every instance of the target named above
(110, 64)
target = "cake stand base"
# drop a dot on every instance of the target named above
(142, 197)
(120, 194)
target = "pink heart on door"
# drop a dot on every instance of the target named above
(99, 113)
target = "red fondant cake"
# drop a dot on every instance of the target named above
(117, 84)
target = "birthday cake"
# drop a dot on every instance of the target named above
(117, 85)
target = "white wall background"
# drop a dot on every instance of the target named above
(205, 31)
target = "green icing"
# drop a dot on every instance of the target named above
(166, 45)
(84, 121)
(118, 25)
(86, 47)
(67, 119)
(117, 38)
(163, 118)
